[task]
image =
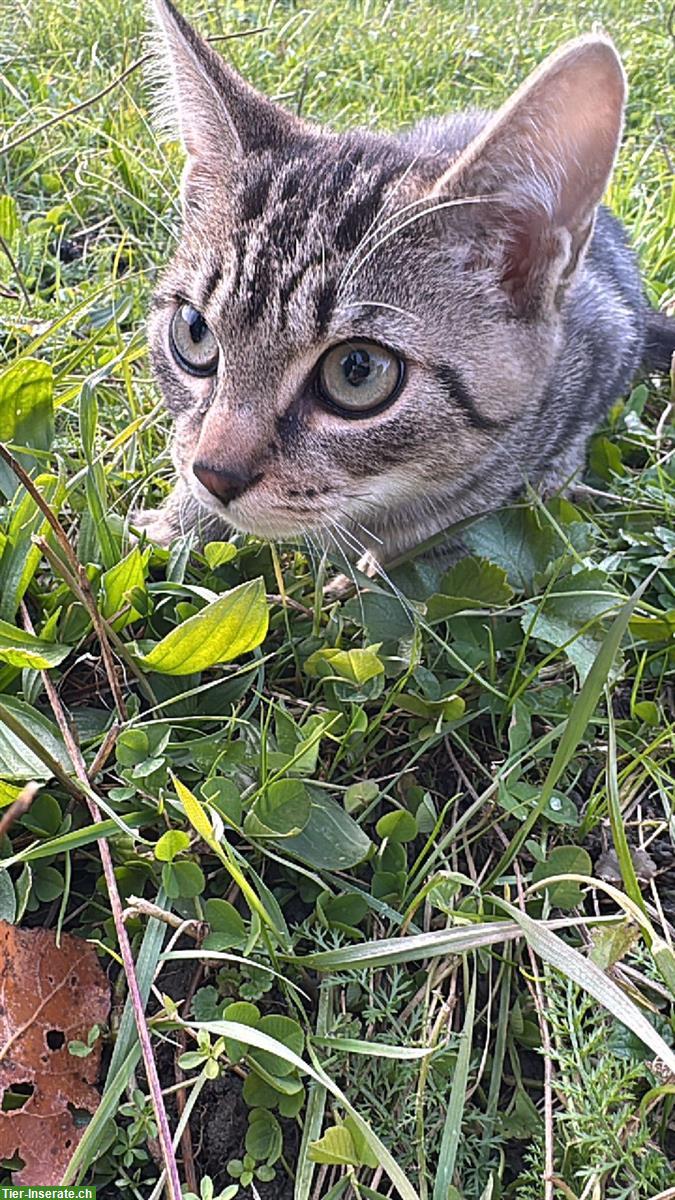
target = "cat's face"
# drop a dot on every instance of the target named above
(350, 325)
(328, 374)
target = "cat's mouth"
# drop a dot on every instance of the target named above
(249, 513)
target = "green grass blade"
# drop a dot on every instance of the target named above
(582, 711)
(588, 976)
(447, 1156)
(314, 1110)
(88, 1147)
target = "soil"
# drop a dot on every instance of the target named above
(218, 1132)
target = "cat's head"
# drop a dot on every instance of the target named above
(351, 321)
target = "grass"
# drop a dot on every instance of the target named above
(372, 836)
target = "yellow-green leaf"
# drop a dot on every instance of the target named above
(22, 649)
(335, 1147)
(355, 666)
(195, 813)
(119, 581)
(225, 629)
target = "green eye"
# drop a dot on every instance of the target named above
(193, 346)
(358, 378)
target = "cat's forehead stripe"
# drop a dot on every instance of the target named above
(293, 218)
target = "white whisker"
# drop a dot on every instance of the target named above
(458, 202)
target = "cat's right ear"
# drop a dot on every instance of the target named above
(539, 168)
(217, 115)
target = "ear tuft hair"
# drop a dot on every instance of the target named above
(218, 116)
(543, 163)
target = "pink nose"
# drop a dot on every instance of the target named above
(225, 485)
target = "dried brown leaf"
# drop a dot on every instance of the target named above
(49, 996)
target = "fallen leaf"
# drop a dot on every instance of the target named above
(607, 867)
(49, 996)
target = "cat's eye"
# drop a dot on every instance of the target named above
(358, 378)
(193, 346)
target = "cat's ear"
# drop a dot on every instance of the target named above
(218, 116)
(542, 163)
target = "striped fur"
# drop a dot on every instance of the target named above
(472, 247)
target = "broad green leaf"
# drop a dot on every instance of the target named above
(331, 838)
(224, 795)
(119, 582)
(245, 1014)
(563, 860)
(383, 616)
(337, 1147)
(450, 708)
(230, 626)
(471, 583)
(264, 1139)
(218, 553)
(282, 810)
(20, 555)
(262, 1041)
(609, 943)
(22, 649)
(398, 826)
(183, 879)
(26, 412)
(8, 793)
(574, 602)
(514, 539)
(171, 843)
(654, 629)
(44, 817)
(283, 1029)
(228, 929)
(358, 795)
(17, 762)
(258, 1093)
(354, 666)
(604, 458)
(7, 898)
(342, 911)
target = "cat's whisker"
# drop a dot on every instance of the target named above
(368, 532)
(378, 220)
(403, 312)
(457, 202)
(333, 535)
(357, 545)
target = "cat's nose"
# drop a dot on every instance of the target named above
(225, 485)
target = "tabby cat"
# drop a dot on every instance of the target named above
(366, 337)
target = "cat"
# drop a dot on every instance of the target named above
(365, 337)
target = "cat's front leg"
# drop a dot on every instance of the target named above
(164, 524)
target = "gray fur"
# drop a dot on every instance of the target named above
(519, 321)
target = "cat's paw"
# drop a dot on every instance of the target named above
(339, 588)
(342, 586)
(155, 524)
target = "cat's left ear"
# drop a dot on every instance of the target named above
(219, 117)
(538, 171)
